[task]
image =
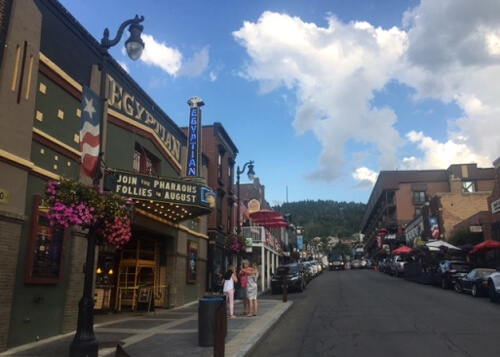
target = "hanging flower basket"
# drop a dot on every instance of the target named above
(236, 243)
(71, 202)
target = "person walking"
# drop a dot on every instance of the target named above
(252, 289)
(243, 276)
(230, 279)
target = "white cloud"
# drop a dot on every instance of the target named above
(334, 72)
(365, 177)
(171, 60)
(447, 50)
(438, 155)
(160, 55)
(196, 65)
(124, 66)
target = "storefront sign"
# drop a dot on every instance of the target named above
(476, 229)
(4, 196)
(126, 103)
(495, 206)
(249, 246)
(193, 166)
(159, 189)
(253, 206)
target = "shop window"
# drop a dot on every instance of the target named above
(230, 208)
(230, 173)
(468, 186)
(419, 197)
(145, 162)
(46, 247)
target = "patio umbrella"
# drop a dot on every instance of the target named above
(486, 245)
(441, 243)
(265, 214)
(268, 218)
(402, 250)
(272, 223)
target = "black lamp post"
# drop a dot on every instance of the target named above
(84, 343)
(251, 175)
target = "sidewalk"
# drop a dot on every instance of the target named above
(165, 332)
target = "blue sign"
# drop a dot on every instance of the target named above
(193, 162)
(300, 242)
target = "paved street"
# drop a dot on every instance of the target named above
(368, 313)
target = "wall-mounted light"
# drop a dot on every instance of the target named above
(99, 271)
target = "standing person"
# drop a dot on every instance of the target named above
(252, 289)
(243, 276)
(230, 279)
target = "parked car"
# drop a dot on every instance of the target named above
(476, 282)
(308, 271)
(494, 286)
(448, 271)
(314, 268)
(397, 265)
(294, 275)
(355, 264)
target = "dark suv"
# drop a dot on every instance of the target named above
(294, 275)
(448, 271)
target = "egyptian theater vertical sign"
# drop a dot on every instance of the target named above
(194, 164)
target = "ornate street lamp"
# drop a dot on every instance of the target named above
(84, 343)
(251, 175)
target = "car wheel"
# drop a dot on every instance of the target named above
(301, 287)
(493, 294)
(458, 287)
(444, 285)
(475, 292)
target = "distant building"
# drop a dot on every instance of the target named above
(398, 197)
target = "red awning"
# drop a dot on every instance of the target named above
(486, 245)
(402, 250)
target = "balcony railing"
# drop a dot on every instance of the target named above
(261, 235)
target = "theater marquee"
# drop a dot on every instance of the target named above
(195, 199)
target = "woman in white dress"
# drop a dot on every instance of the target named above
(229, 280)
(252, 289)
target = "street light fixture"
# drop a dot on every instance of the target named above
(251, 175)
(84, 343)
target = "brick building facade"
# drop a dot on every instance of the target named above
(398, 197)
(48, 62)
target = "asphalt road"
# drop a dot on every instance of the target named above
(368, 313)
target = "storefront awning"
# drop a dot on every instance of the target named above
(175, 200)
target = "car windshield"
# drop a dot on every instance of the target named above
(287, 270)
(484, 273)
(459, 266)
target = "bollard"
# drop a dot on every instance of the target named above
(285, 286)
(284, 274)
(220, 330)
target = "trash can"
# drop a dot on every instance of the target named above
(207, 308)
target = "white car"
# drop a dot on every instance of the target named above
(494, 286)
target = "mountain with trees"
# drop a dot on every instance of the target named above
(324, 218)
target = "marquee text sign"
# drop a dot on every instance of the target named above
(159, 189)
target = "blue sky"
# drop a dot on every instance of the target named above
(323, 94)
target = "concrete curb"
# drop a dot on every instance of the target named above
(241, 347)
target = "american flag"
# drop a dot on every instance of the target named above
(90, 131)
(433, 222)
